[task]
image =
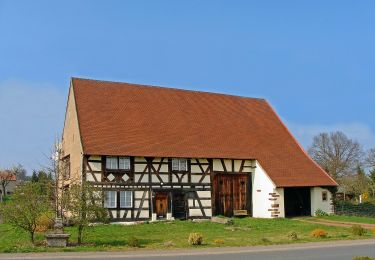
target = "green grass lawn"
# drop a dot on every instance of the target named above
(366, 220)
(164, 235)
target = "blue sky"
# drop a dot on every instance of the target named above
(313, 60)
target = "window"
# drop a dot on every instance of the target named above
(118, 163)
(324, 196)
(110, 199)
(111, 163)
(124, 163)
(66, 167)
(126, 199)
(179, 164)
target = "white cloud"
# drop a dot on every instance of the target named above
(358, 131)
(31, 117)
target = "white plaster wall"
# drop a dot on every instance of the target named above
(95, 166)
(262, 187)
(317, 201)
(217, 166)
(280, 201)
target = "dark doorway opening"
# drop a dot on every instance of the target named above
(297, 202)
(179, 205)
(232, 193)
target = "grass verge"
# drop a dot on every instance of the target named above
(166, 235)
(364, 220)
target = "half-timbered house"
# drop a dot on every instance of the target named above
(162, 153)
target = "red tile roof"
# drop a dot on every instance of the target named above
(137, 120)
(7, 175)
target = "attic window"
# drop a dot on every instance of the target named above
(112, 163)
(179, 164)
(124, 163)
(117, 163)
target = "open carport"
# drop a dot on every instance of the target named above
(297, 201)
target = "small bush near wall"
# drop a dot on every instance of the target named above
(358, 230)
(320, 213)
(319, 233)
(195, 239)
(373, 231)
(44, 223)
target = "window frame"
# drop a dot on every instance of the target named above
(179, 160)
(324, 196)
(66, 167)
(117, 163)
(106, 199)
(126, 160)
(124, 206)
(108, 159)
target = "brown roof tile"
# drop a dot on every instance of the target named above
(137, 120)
(7, 175)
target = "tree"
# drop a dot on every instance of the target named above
(370, 159)
(19, 171)
(372, 182)
(34, 176)
(84, 204)
(336, 153)
(361, 181)
(27, 205)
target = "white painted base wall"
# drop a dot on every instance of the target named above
(268, 201)
(317, 201)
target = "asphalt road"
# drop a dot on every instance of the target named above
(340, 250)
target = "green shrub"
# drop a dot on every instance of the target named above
(358, 230)
(292, 235)
(363, 258)
(195, 239)
(320, 213)
(134, 242)
(44, 223)
(266, 240)
(218, 241)
(319, 233)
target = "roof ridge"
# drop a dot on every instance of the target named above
(168, 88)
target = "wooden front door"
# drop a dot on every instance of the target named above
(161, 205)
(232, 192)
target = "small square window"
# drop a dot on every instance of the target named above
(324, 196)
(179, 164)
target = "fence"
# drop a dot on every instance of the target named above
(366, 209)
